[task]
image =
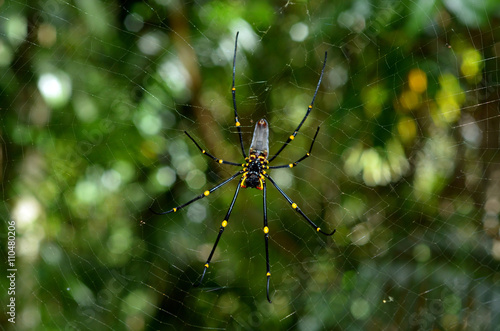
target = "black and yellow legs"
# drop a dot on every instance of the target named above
(253, 171)
(221, 230)
(291, 165)
(266, 238)
(223, 227)
(309, 108)
(233, 92)
(220, 161)
(297, 209)
(201, 196)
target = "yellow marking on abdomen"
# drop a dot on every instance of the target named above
(266, 229)
(206, 193)
(224, 223)
(292, 137)
(317, 229)
(175, 209)
(261, 183)
(206, 265)
(268, 274)
(294, 205)
(238, 123)
(220, 161)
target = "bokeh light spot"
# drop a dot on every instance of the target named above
(471, 64)
(360, 309)
(55, 88)
(166, 176)
(421, 253)
(26, 211)
(299, 32)
(407, 129)
(417, 80)
(409, 100)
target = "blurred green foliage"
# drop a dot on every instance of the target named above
(95, 96)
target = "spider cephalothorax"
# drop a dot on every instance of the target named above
(253, 173)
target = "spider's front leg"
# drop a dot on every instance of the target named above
(309, 108)
(233, 92)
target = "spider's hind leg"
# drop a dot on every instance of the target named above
(221, 230)
(266, 238)
(298, 210)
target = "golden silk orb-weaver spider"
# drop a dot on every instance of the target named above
(253, 173)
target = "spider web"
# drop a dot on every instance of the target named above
(96, 96)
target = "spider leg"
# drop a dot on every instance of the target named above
(201, 196)
(292, 136)
(233, 92)
(221, 230)
(294, 206)
(266, 238)
(291, 165)
(221, 161)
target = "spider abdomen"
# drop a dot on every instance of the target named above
(253, 181)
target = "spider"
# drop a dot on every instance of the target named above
(253, 173)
